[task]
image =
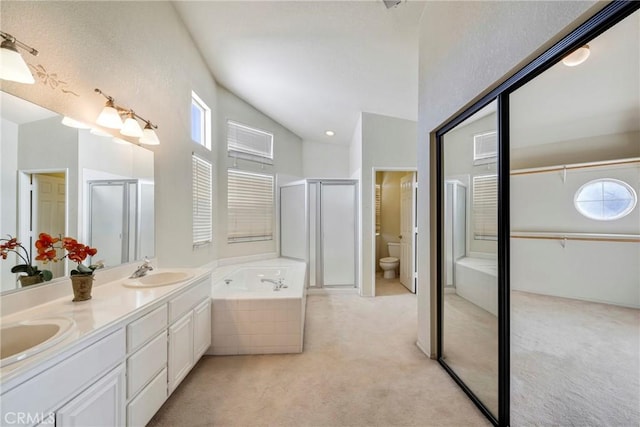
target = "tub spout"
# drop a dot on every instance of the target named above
(277, 283)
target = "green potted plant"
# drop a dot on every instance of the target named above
(32, 274)
(82, 276)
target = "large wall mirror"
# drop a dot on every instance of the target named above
(538, 230)
(68, 181)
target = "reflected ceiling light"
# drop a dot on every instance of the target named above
(149, 136)
(99, 132)
(119, 141)
(72, 123)
(12, 64)
(130, 127)
(577, 57)
(329, 133)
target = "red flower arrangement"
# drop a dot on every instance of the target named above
(12, 245)
(76, 252)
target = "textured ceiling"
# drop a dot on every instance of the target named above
(312, 65)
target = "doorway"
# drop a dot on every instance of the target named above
(43, 209)
(395, 231)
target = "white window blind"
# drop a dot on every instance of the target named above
(485, 147)
(202, 197)
(485, 207)
(250, 206)
(249, 143)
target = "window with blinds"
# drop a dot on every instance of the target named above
(485, 207)
(249, 143)
(250, 206)
(378, 207)
(485, 148)
(202, 201)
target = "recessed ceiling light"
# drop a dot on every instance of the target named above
(577, 57)
(329, 133)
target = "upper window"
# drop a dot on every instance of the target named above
(202, 201)
(250, 206)
(605, 199)
(249, 143)
(200, 121)
(485, 148)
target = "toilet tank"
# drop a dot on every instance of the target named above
(394, 249)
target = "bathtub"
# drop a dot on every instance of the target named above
(252, 316)
(477, 282)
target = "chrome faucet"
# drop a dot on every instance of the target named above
(277, 283)
(142, 270)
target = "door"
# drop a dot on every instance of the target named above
(407, 234)
(338, 225)
(48, 214)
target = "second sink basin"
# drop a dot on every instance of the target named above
(163, 278)
(24, 339)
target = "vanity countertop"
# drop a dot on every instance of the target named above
(111, 306)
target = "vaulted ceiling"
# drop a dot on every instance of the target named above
(312, 65)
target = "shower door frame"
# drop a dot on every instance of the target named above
(600, 22)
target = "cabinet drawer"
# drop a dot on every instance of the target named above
(141, 330)
(146, 363)
(185, 302)
(53, 387)
(141, 409)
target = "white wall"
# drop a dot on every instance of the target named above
(597, 271)
(287, 153)
(491, 39)
(387, 142)
(106, 45)
(8, 189)
(321, 160)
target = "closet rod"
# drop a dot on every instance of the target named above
(631, 238)
(575, 166)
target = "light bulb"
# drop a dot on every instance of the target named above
(109, 117)
(12, 64)
(131, 126)
(149, 136)
(577, 57)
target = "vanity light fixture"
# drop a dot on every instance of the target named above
(131, 126)
(12, 64)
(577, 57)
(110, 117)
(149, 136)
(329, 133)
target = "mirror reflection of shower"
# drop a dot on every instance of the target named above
(455, 228)
(121, 220)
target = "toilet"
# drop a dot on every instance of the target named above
(391, 263)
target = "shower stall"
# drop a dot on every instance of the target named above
(455, 228)
(121, 219)
(318, 224)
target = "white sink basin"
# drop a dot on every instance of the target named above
(158, 279)
(24, 339)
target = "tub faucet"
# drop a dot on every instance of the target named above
(142, 270)
(277, 283)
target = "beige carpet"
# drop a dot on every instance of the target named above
(573, 363)
(360, 367)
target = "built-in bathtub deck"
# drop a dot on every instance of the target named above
(249, 317)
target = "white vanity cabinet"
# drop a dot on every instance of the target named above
(189, 332)
(99, 405)
(123, 373)
(86, 384)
